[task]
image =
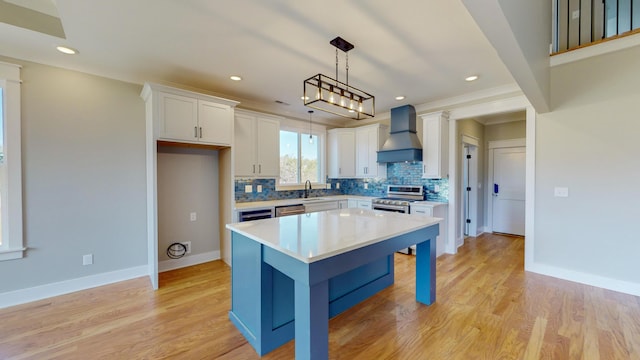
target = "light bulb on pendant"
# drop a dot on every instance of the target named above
(331, 95)
(310, 136)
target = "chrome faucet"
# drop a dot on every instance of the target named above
(306, 191)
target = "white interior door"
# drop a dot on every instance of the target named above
(509, 190)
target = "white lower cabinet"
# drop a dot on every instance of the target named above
(343, 204)
(321, 206)
(364, 204)
(358, 203)
(438, 210)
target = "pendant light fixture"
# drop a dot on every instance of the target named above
(310, 136)
(324, 93)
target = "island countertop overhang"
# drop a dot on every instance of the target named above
(316, 236)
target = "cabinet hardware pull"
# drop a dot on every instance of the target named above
(195, 131)
(201, 132)
(254, 168)
(259, 168)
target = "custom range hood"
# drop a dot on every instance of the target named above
(403, 143)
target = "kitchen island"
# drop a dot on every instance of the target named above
(290, 275)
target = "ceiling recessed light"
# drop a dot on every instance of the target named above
(471, 78)
(399, 97)
(304, 98)
(67, 50)
(235, 78)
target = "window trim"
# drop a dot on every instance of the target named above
(321, 134)
(12, 235)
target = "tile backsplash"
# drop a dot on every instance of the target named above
(397, 174)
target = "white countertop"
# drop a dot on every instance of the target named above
(283, 202)
(316, 236)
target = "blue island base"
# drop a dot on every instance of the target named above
(267, 319)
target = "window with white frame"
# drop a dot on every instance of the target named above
(300, 156)
(11, 242)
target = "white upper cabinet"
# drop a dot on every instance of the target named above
(341, 153)
(435, 145)
(213, 122)
(369, 139)
(257, 139)
(186, 116)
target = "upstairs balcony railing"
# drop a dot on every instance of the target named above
(578, 23)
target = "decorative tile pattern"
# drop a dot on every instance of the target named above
(397, 174)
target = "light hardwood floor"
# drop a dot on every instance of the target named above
(487, 308)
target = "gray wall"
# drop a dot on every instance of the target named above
(188, 182)
(589, 144)
(83, 176)
(506, 131)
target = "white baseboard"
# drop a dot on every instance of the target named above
(587, 279)
(482, 230)
(188, 260)
(22, 296)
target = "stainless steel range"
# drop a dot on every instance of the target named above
(398, 198)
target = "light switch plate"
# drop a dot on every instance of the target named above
(561, 192)
(259, 188)
(366, 186)
(248, 188)
(337, 185)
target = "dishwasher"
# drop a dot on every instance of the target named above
(289, 210)
(249, 215)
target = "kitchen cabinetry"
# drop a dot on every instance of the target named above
(369, 139)
(320, 206)
(433, 209)
(341, 145)
(257, 137)
(185, 116)
(435, 145)
(343, 204)
(362, 204)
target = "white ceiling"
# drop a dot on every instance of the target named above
(422, 49)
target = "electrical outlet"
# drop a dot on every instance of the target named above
(337, 185)
(436, 188)
(248, 188)
(329, 186)
(561, 192)
(366, 186)
(87, 259)
(193, 216)
(187, 244)
(259, 188)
